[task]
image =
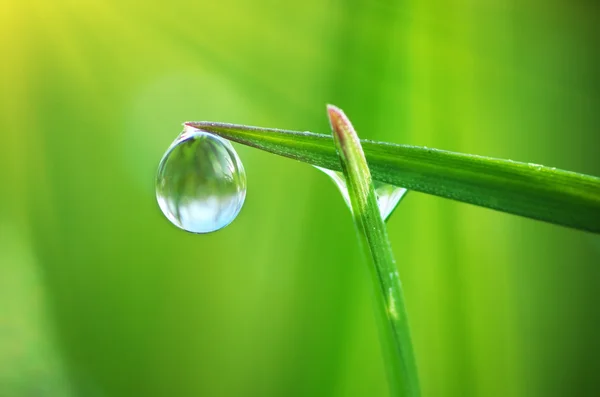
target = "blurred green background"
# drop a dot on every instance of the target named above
(101, 296)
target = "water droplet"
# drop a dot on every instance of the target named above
(537, 167)
(201, 182)
(388, 196)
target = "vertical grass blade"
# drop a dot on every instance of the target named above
(390, 310)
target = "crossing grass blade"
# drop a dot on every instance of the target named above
(390, 310)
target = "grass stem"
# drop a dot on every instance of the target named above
(390, 310)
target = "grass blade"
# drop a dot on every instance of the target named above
(530, 190)
(391, 314)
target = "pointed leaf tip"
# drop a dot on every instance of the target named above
(340, 124)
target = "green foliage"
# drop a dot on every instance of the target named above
(372, 233)
(277, 304)
(531, 190)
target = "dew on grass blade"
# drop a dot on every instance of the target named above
(201, 182)
(388, 196)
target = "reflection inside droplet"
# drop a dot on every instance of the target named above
(388, 196)
(201, 182)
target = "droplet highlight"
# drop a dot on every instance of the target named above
(201, 182)
(388, 196)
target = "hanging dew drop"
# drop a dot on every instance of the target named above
(388, 196)
(201, 182)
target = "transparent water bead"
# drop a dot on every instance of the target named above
(388, 196)
(201, 182)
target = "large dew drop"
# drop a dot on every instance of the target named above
(388, 196)
(201, 182)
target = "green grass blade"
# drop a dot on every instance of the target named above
(531, 190)
(391, 313)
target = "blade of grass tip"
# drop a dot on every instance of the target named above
(548, 194)
(390, 311)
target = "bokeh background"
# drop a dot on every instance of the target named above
(100, 296)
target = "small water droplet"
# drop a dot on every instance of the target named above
(388, 196)
(201, 182)
(537, 167)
